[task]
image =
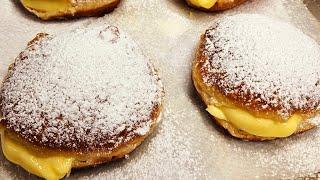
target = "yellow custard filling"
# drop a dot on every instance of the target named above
(51, 167)
(203, 3)
(47, 5)
(243, 120)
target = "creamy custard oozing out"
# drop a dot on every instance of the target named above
(207, 4)
(247, 122)
(47, 5)
(42, 164)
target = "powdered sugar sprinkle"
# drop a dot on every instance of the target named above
(264, 61)
(81, 88)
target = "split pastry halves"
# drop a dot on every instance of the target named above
(77, 99)
(258, 77)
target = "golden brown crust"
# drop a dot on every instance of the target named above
(220, 5)
(95, 154)
(209, 95)
(239, 98)
(86, 159)
(83, 158)
(235, 132)
(83, 10)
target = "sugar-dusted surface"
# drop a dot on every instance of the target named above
(263, 63)
(84, 89)
(186, 145)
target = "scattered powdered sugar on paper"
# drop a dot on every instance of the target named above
(187, 145)
(285, 158)
(86, 86)
(167, 154)
(263, 61)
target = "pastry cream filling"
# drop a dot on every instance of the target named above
(51, 167)
(243, 120)
(203, 3)
(47, 5)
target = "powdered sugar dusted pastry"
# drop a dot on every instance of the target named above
(77, 99)
(214, 5)
(258, 77)
(62, 9)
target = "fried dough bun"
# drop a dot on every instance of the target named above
(89, 94)
(63, 9)
(260, 77)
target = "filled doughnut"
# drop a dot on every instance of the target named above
(258, 77)
(77, 99)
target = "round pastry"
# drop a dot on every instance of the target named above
(77, 99)
(62, 9)
(214, 5)
(259, 77)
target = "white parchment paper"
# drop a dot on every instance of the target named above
(186, 144)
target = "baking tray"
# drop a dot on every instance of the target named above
(186, 144)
